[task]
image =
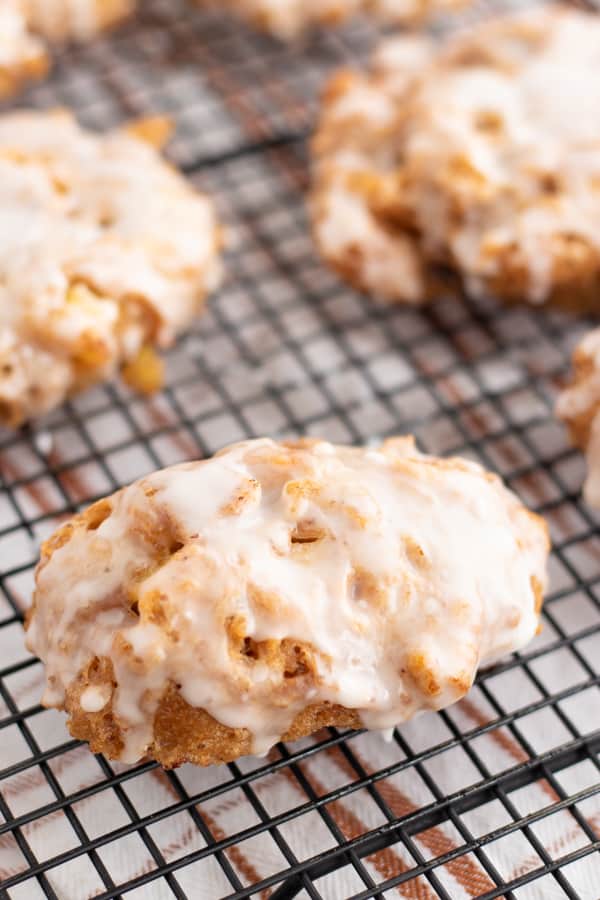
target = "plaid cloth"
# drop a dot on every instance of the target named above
(500, 792)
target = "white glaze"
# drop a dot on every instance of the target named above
(473, 192)
(95, 698)
(453, 558)
(106, 212)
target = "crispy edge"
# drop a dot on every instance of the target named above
(182, 733)
(574, 280)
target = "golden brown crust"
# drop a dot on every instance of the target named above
(183, 733)
(113, 12)
(575, 276)
(579, 424)
(575, 262)
(579, 430)
(22, 57)
(578, 405)
(12, 79)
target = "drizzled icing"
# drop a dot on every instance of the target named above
(103, 247)
(483, 153)
(579, 406)
(393, 575)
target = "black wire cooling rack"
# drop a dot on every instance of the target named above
(497, 796)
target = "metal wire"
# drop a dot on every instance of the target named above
(285, 348)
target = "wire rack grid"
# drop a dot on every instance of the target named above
(495, 797)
